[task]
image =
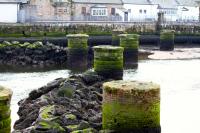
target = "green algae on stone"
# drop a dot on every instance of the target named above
(5, 130)
(5, 93)
(78, 41)
(49, 125)
(72, 127)
(115, 36)
(108, 61)
(129, 41)
(4, 123)
(47, 113)
(167, 35)
(5, 114)
(88, 130)
(167, 40)
(130, 105)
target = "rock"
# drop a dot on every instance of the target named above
(88, 130)
(64, 105)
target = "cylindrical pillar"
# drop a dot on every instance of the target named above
(108, 61)
(130, 43)
(115, 36)
(167, 40)
(5, 120)
(77, 51)
(131, 106)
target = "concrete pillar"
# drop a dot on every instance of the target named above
(77, 51)
(167, 40)
(131, 106)
(130, 43)
(108, 61)
(115, 36)
(5, 120)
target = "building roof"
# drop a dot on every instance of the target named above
(13, 1)
(188, 2)
(166, 3)
(99, 1)
(137, 2)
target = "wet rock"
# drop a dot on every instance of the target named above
(64, 105)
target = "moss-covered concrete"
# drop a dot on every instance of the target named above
(5, 123)
(5, 130)
(167, 40)
(129, 41)
(108, 61)
(131, 105)
(77, 41)
(115, 36)
(5, 93)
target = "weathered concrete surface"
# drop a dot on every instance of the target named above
(177, 54)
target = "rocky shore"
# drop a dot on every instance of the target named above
(64, 105)
(31, 54)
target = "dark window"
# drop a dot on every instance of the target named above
(112, 11)
(145, 11)
(140, 11)
(83, 10)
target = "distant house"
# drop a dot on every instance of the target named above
(168, 7)
(188, 10)
(140, 10)
(9, 10)
(96, 10)
(46, 10)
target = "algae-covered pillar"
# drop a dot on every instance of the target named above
(115, 36)
(77, 51)
(130, 43)
(131, 106)
(167, 40)
(5, 120)
(108, 61)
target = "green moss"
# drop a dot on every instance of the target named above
(5, 114)
(88, 130)
(49, 125)
(79, 41)
(5, 130)
(46, 113)
(72, 127)
(167, 35)
(129, 41)
(99, 65)
(119, 117)
(108, 49)
(4, 123)
(70, 117)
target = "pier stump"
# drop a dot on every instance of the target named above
(115, 36)
(167, 40)
(130, 43)
(108, 61)
(77, 51)
(131, 106)
(5, 120)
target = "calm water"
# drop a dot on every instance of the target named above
(180, 90)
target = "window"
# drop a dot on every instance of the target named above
(65, 10)
(99, 12)
(83, 11)
(112, 11)
(145, 11)
(140, 10)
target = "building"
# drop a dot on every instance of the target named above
(188, 10)
(168, 7)
(140, 10)
(9, 10)
(96, 10)
(46, 10)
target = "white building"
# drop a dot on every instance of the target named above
(140, 10)
(9, 10)
(168, 7)
(188, 10)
